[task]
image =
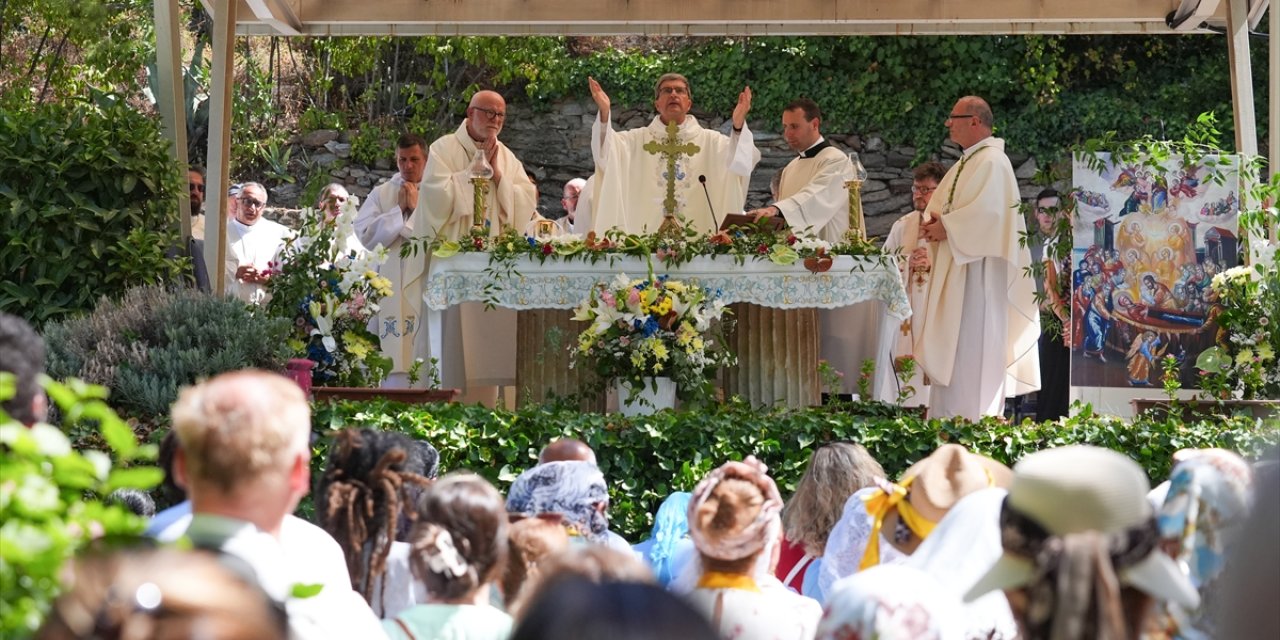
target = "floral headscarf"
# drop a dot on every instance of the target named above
(751, 539)
(572, 489)
(1210, 494)
(891, 602)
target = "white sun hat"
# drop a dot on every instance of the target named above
(1077, 489)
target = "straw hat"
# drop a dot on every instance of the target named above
(1081, 488)
(948, 474)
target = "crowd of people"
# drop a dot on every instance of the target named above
(1072, 542)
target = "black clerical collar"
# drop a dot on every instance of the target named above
(815, 149)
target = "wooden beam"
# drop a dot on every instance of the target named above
(1241, 78)
(277, 14)
(722, 17)
(171, 102)
(220, 79)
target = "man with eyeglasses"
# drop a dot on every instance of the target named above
(253, 244)
(633, 181)
(487, 338)
(914, 263)
(981, 325)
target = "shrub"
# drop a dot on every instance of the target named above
(86, 190)
(54, 498)
(647, 458)
(154, 340)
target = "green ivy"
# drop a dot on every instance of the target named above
(646, 459)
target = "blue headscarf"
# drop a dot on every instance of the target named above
(670, 526)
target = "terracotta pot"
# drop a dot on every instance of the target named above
(411, 396)
(299, 370)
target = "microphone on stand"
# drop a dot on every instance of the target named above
(703, 179)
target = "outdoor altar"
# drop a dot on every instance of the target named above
(777, 341)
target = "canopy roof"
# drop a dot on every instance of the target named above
(722, 17)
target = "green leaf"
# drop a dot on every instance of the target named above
(143, 478)
(302, 591)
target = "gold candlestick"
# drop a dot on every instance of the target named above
(480, 193)
(857, 223)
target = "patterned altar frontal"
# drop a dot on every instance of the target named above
(1148, 238)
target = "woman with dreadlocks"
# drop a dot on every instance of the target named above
(366, 500)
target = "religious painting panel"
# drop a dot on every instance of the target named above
(1148, 238)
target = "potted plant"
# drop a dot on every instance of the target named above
(654, 338)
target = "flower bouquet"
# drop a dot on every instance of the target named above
(329, 287)
(642, 329)
(1243, 363)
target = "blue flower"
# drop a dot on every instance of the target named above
(532, 242)
(650, 327)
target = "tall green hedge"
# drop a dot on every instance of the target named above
(86, 199)
(644, 460)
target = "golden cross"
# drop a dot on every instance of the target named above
(672, 149)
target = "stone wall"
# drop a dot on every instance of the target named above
(556, 144)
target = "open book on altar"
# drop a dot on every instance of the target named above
(742, 220)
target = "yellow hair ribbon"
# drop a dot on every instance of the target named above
(878, 505)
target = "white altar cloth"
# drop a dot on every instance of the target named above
(561, 284)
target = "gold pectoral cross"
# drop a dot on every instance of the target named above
(672, 149)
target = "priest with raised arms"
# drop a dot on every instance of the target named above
(645, 174)
(811, 197)
(477, 344)
(981, 326)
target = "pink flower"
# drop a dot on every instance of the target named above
(633, 298)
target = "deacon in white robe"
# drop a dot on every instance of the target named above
(914, 265)
(487, 339)
(253, 246)
(390, 217)
(981, 325)
(811, 196)
(632, 181)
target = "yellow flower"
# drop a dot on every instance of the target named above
(637, 359)
(1244, 357)
(370, 274)
(660, 350)
(664, 306)
(1265, 352)
(675, 285)
(356, 345)
(698, 344)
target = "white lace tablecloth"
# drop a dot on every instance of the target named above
(558, 284)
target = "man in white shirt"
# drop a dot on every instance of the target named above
(389, 217)
(811, 192)
(244, 459)
(253, 245)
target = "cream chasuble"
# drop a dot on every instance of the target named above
(631, 183)
(904, 236)
(400, 316)
(259, 245)
(977, 201)
(812, 196)
(479, 345)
